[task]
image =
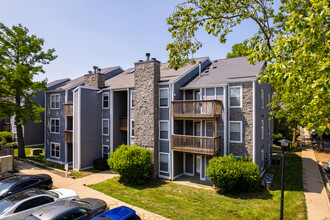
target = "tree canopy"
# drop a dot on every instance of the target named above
(21, 58)
(294, 41)
(239, 50)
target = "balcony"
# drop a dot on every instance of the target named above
(68, 137)
(123, 123)
(68, 109)
(196, 144)
(196, 109)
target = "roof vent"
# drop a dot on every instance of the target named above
(132, 71)
(140, 61)
(214, 67)
(215, 61)
(206, 71)
(90, 72)
(154, 59)
(95, 68)
(148, 56)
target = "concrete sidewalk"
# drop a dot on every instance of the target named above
(317, 200)
(79, 185)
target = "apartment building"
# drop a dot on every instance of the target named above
(206, 109)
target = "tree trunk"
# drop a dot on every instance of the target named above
(321, 143)
(294, 135)
(20, 140)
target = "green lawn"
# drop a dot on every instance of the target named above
(176, 201)
(40, 158)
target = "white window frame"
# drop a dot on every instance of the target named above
(262, 99)
(131, 128)
(131, 98)
(168, 164)
(103, 95)
(269, 121)
(168, 131)
(168, 98)
(262, 159)
(262, 126)
(51, 125)
(241, 97)
(107, 146)
(241, 131)
(105, 119)
(59, 100)
(59, 150)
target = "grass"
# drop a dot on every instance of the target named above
(40, 158)
(176, 201)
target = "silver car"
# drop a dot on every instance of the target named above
(22, 204)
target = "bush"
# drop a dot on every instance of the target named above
(229, 173)
(101, 164)
(11, 145)
(277, 137)
(5, 137)
(132, 163)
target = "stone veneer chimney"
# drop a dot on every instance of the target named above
(146, 78)
(94, 79)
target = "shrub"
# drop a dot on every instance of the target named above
(132, 163)
(11, 145)
(277, 137)
(229, 173)
(101, 164)
(5, 137)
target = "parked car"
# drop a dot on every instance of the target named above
(22, 204)
(119, 213)
(70, 209)
(17, 183)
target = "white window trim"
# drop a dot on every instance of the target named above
(107, 152)
(168, 98)
(59, 150)
(59, 126)
(262, 126)
(168, 131)
(105, 119)
(241, 131)
(57, 94)
(241, 97)
(104, 94)
(131, 99)
(269, 121)
(130, 128)
(262, 93)
(168, 166)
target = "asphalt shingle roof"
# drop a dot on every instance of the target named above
(223, 70)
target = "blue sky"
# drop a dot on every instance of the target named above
(105, 33)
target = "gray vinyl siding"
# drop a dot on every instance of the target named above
(57, 138)
(90, 130)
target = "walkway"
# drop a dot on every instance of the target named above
(79, 185)
(317, 201)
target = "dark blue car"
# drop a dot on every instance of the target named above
(17, 183)
(119, 213)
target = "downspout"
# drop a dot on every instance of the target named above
(171, 87)
(254, 120)
(225, 120)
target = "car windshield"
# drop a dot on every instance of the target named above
(5, 204)
(5, 185)
(103, 217)
(32, 217)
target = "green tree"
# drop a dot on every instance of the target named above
(294, 41)
(239, 50)
(21, 58)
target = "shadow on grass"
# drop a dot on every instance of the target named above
(150, 184)
(259, 194)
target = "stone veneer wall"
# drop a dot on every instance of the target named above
(244, 114)
(146, 78)
(94, 80)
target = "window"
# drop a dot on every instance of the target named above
(55, 150)
(55, 101)
(262, 99)
(132, 128)
(235, 96)
(105, 100)
(262, 129)
(105, 150)
(132, 98)
(163, 98)
(55, 125)
(163, 162)
(262, 159)
(269, 121)
(34, 203)
(163, 130)
(235, 131)
(105, 126)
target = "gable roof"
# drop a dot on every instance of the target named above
(222, 71)
(167, 75)
(57, 82)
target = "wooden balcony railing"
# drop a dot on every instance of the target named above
(123, 123)
(196, 144)
(68, 109)
(196, 108)
(6, 126)
(68, 136)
